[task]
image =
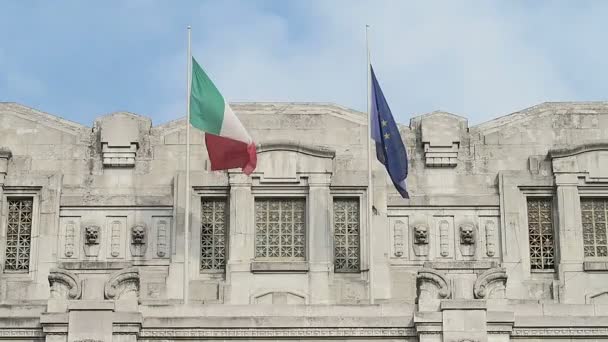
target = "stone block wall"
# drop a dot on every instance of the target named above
(504, 223)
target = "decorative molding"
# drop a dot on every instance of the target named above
(161, 238)
(591, 297)
(491, 284)
(70, 235)
(528, 332)
(444, 242)
(61, 278)
(26, 332)
(286, 145)
(578, 149)
(398, 229)
(115, 238)
(122, 282)
(277, 332)
(490, 228)
(436, 278)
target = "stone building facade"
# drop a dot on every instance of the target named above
(504, 236)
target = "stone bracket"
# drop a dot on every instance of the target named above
(5, 155)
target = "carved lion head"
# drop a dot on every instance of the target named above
(467, 234)
(138, 234)
(91, 234)
(421, 235)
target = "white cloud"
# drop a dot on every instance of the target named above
(469, 58)
(478, 59)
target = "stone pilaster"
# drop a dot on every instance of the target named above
(241, 239)
(464, 320)
(569, 234)
(320, 235)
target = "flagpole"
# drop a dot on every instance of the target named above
(188, 195)
(370, 190)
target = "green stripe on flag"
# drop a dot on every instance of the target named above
(206, 103)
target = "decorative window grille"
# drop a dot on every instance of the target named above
(540, 233)
(346, 235)
(280, 228)
(19, 235)
(593, 211)
(213, 233)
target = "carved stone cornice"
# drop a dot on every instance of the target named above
(32, 332)
(561, 332)
(286, 145)
(601, 145)
(121, 282)
(276, 332)
(489, 281)
(60, 277)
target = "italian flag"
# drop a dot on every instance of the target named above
(228, 143)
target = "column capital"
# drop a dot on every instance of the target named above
(239, 179)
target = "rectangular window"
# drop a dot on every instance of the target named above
(346, 235)
(213, 233)
(18, 234)
(593, 212)
(280, 228)
(540, 233)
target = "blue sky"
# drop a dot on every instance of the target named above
(479, 59)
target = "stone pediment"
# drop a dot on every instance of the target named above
(275, 108)
(39, 118)
(546, 110)
(285, 161)
(589, 160)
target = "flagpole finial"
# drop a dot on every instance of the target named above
(189, 27)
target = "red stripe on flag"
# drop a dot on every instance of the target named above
(226, 153)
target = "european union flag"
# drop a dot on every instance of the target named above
(389, 146)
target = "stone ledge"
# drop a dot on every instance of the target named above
(91, 305)
(463, 304)
(279, 266)
(460, 265)
(595, 266)
(94, 265)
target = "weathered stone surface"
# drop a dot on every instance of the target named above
(459, 260)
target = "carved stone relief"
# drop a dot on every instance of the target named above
(92, 237)
(64, 284)
(490, 228)
(70, 236)
(432, 287)
(116, 227)
(491, 284)
(467, 239)
(421, 239)
(161, 237)
(444, 242)
(123, 284)
(398, 238)
(138, 240)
